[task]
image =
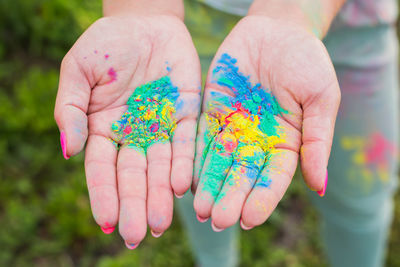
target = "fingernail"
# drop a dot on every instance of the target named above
(131, 245)
(215, 228)
(179, 196)
(63, 142)
(321, 193)
(244, 227)
(155, 234)
(107, 230)
(200, 219)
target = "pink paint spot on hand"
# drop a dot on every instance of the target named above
(128, 130)
(112, 74)
(154, 127)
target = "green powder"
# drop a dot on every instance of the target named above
(149, 118)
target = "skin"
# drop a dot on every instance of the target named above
(127, 187)
(273, 45)
(276, 47)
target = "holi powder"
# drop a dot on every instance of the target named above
(242, 131)
(112, 74)
(149, 118)
(370, 156)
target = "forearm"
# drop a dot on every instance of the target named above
(144, 7)
(314, 15)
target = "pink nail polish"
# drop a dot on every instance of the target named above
(155, 234)
(321, 193)
(200, 219)
(215, 228)
(131, 245)
(244, 227)
(107, 230)
(63, 142)
(178, 196)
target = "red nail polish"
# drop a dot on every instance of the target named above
(200, 219)
(131, 245)
(107, 230)
(63, 142)
(321, 193)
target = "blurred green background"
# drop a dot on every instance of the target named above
(45, 216)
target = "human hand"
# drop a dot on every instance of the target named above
(132, 187)
(250, 136)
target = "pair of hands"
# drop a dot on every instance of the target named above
(117, 54)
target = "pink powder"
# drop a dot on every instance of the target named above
(113, 75)
(128, 130)
(377, 151)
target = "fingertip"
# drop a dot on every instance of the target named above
(63, 141)
(178, 196)
(131, 246)
(156, 234)
(312, 167)
(201, 219)
(321, 192)
(215, 228)
(181, 177)
(244, 226)
(107, 230)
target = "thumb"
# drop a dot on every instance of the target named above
(319, 115)
(71, 107)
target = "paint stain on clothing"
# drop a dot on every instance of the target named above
(149, 118)
(371, 157)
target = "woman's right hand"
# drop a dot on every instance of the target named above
(98, 75)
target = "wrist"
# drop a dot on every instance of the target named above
(313, 16)
(143, 7)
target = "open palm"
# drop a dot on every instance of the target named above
(113, 57)
(271, 92)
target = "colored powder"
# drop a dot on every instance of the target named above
(371, 157)
(246, 127)
(112, 74)
(149, 118)
(106, 56)
(115, 144)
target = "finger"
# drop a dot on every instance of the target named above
(202, 147)
(207, 131)
(132, 188)
(183, 144)
(183, 140)
(318, 127)
(270, 187)
(100, 160)
(160, 198)
(71, 106)
(216, 166)
(185, 73)
(248, 161)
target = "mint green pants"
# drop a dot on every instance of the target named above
(356, 212)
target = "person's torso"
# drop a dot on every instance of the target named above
(354, 12)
